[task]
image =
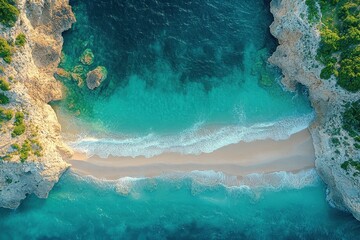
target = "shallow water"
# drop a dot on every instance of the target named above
(195, 206)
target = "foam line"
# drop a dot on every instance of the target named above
(197, 140)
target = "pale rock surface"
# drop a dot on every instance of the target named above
(33, 66)
(295, 56)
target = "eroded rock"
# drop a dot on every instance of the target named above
(96, 77)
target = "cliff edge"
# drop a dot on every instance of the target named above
(32, 155)
(295, 56)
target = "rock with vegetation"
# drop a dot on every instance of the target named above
(32, 152)
(6, 50)
(96, 77)
(20, 40)
(5, 114)
(4, 99)
(19, 125)
(339, 48)
(307, 46)
(4, 84)
(8, 12)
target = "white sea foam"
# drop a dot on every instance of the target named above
(203, 180)
(197, 140)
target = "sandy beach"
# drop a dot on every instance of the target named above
(264, 156)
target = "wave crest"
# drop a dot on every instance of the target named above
(200, 181)
(197, 140)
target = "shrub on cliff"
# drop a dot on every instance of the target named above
(349, 72)
(20, 40)
(4, 84)
(25, 150)
(8, 13)
(313, 11)
(5, 114)
(19, 125)
(4, 99)
(330, 41)
(5, 50)
(340, 39)
(351, 118)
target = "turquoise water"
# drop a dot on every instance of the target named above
(183, 76)
(188, 207)
(178, 73)
(171, 66)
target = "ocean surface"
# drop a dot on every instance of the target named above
(185, 76)
(198, 205)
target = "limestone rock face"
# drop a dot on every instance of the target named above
(34, 85)
(96, 77)
(295, 56)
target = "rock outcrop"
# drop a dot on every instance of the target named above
(295, 56)
(32, 88)
(96, 77)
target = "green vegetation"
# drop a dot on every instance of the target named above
(335, 141)
(36, 148)
(4, 99)
(19, 125)
(347, 165)
(27, 148)
(8, 13)
(5, 50)
(313, 11)
(351, 119)
(4, 84)
(15, 146)
(20, 40)
(8, 180)
(2, 69)
(5, 114)
(339, 48)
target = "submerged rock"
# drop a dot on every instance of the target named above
(87, 57)
(78, 74)
(265, 79)
(77, 78)
(96, 77)
(62, 74)
(79, 69)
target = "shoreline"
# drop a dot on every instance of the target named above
(262, 156)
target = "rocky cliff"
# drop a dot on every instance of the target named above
(32, 86)
(295, 56)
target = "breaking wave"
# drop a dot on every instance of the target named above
(197, 140)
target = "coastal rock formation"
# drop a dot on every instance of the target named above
(32, 87)
(295, 56)
(96, 77)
